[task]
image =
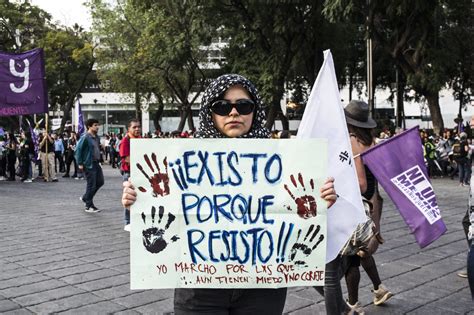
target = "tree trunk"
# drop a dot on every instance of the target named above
(284, 121)
(351, 84)
(157, 116)
(190, 119)
(138, 108)
(274, 113)
(275, 109)
(271, 116)
(435, 111)
(67, 112)
(400, 88)
(183, 116)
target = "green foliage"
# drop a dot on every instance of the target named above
(458, 41)
(155, 45)
(31, 22)
(266, 43)
(117, 30)
(69, 60)
(426, 39)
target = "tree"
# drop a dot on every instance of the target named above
(157, 45)
(117, 28)
(69, 56)
(458, 39)
(410, 33)
(280, 46)
(23, 20)
(263, 42)
(174, 45)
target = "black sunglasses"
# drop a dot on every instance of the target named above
(224, 107)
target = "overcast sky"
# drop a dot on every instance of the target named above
(67, 12)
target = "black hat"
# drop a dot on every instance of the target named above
(357, 114)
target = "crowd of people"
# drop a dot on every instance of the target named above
(448, 155)
(48, 154)
(53, 153)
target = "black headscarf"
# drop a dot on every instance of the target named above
(214, 92)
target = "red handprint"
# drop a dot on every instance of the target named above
(306, 204)
(159, 181)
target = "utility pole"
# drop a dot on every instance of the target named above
(370, 81)
(400, 114)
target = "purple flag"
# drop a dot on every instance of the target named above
(80, 119)
(22, 83)
(399, 167)
(35, 139)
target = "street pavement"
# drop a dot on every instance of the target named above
(55, 258)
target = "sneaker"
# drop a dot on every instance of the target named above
(462, 274)
(65, 175)
(29, 180)
(127, 228)
(91, 209)
(381, 295)
(95, 208)
(355, 309)
(2, 178)
(54, 180)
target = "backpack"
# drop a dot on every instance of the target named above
(364, 237)
(459, 150)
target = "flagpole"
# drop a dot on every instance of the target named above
(46, 167)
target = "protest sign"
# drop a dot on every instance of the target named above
(23, 83)
(227, 213)
(398, 165)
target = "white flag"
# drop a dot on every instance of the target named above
(324, 118)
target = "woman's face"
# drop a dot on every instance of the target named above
(234, 124)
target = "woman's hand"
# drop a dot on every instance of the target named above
(328, 192)
(129, 194)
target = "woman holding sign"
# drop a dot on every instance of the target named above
(231, 108)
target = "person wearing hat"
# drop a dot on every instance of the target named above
(360, 127)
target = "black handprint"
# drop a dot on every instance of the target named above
(153, 237)
(304, 247)
(158, 179)
(306, 206)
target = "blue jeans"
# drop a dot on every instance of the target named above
(125, 176)
(95, 180)
(332, 291)
(463, 170)
(229, 301)
(470, 269)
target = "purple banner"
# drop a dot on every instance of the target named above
(399, 167)
(80, 119)
(22, 83)
(35, 139)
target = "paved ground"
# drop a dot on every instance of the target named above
(55, 258)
